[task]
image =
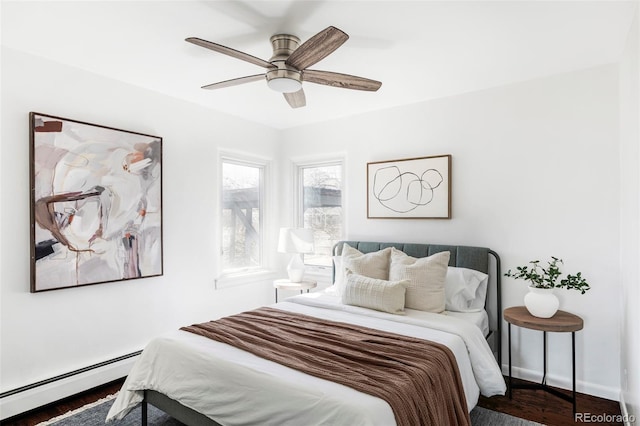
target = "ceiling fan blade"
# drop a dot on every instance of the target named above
(296, 99)
(230, 52)
(316, 48)
(344, 81)
(234, 82)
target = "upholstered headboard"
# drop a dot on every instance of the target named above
(462, 256)
(477, 258)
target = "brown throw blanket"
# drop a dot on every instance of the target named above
(419, 379)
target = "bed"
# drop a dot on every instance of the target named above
(200, 381)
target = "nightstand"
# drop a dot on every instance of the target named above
(561, 322)
(285, 284)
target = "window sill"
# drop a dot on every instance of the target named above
(243, 278)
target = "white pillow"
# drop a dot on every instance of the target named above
(372, 293)
(426, 277)
(337, 268)
(337, 271)
(373, 265)
(466, 289)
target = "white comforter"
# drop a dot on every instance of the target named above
(235, 387)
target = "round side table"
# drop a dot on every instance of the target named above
(561, 322)
(285, 284)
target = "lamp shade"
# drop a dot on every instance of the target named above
(295, 240)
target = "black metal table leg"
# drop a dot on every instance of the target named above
(573, 368)
(510, 384)
(276, 295)
(544, 355)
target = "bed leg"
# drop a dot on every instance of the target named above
(144, 410)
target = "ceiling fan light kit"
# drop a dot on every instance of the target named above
(287, 68)
(284, 81)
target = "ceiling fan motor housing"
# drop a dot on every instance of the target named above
(284, 79)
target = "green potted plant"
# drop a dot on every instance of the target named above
(540, 301)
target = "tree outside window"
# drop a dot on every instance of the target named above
(242, 215)
(321, 208)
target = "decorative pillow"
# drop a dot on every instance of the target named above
(372, 293)
(372, 265)
(466, 289)
(426, 279)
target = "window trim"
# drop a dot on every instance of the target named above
(229, 278)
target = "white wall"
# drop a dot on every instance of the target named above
(630, 219)
(535, 174)
(50, 333)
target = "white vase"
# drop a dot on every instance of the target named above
(541, 302)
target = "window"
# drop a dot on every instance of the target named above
(242, 215)
(320, 206)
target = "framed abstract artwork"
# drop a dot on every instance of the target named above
(412, 188)
(96, 203)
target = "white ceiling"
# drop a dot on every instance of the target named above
(420, 50)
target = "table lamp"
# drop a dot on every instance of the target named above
(296, 241)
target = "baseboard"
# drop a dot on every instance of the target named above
(624, 411)
(564, 383)
(23, 401)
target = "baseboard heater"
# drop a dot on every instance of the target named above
(67, 375)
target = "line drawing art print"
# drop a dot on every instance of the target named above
(96, 204)
(413, 188)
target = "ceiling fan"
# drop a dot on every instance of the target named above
(287, 69)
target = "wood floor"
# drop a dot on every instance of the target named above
(50, 411)
(535, 405)
(542, 407)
